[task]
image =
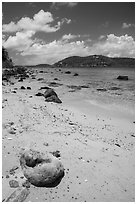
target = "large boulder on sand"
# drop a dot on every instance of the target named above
(51, 96)
(49, 92)
(41, 170)
(54, 99)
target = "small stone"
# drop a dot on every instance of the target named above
(76, 74)
(39, 94)
(56, 153)
(46, 144)
(117, 145)
(26, 184)
(12, 131)
(40, 79)
(13, 183)
(22, 87)
(14, 168)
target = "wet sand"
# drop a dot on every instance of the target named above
(96, 142)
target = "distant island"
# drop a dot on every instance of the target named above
(90, 61)
(95, 61)
(76, 61)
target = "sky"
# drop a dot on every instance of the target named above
(46, 32)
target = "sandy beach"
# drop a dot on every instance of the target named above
(96, 140)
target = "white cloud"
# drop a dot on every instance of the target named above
(127, 25)
(69, 36)
(101, 37)
(35, 51)
(20, 42)
(40, 22)
(54, 51)
(115, 46)
(59, 4)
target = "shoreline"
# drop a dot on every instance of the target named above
(96, 145)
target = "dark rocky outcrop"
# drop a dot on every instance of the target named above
(41, 170)
(125, 78)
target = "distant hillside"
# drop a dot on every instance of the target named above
(6, 61)
(95, 61)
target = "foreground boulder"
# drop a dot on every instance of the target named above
(51, 96)
(41, 170)
(122, 77)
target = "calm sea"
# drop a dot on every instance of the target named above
(111, 90)
(104, 87)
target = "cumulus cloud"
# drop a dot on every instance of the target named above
(115, 46)
(54, 51)
(20, 42)
(34, 51)
(40, 22)
(127, 25)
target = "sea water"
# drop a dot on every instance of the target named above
(104, 87)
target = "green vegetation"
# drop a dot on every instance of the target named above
(6, 61)
(95, 61)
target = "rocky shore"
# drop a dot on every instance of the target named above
(95, 145)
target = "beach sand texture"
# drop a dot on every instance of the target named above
(93, 130)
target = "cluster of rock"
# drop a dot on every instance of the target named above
(20, 73)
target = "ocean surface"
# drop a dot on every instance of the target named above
(104, 87)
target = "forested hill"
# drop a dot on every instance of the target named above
(6, 61)
(95, 61)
